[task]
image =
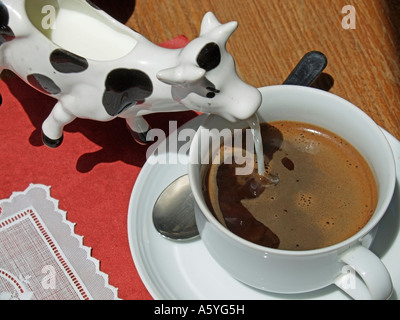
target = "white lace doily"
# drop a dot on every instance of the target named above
(41, 257)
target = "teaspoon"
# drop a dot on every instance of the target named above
(173, 213)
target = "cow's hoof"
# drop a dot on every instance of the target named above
(52, 143)
(139, 137)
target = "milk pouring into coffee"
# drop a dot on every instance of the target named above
(255, 127)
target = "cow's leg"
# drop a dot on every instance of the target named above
(139, 128)
(54, 125)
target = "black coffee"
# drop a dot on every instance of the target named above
(326, 191)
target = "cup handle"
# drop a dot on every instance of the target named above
(372, 282)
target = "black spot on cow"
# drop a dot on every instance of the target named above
(66, 62)
(209, 57)
(6, 34)
(125, 88)
(43, 84)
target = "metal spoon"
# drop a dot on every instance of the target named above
(173, 213)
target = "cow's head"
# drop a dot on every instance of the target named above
(205, 78)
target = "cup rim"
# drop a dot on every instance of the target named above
(193, 166)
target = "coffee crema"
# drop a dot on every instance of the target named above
(326, 191)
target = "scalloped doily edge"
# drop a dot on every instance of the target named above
(17, 195)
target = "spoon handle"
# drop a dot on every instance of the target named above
(308, 69)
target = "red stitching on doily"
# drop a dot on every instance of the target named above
(58, 255)
(12, 279)
(52, 246)
(13, 219)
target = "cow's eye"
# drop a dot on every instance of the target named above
(209, 57)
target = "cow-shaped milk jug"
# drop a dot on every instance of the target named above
(99, 69)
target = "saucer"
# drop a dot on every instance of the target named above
(185, 270)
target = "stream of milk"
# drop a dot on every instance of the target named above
(255, 127)
(254, 124)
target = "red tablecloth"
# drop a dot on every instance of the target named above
(92, 174)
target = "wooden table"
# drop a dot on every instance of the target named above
(273, 35)
(364, 57)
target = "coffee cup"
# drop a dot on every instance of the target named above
(349, 264)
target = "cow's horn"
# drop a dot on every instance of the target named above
(225, 31)
(210, 22)
(214, 29)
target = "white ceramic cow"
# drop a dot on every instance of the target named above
(99, 69)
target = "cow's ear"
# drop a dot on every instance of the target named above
(181, 75)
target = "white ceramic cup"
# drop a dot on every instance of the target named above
(349, 264)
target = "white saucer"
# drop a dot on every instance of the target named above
(185, 270)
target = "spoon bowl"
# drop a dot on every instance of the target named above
(173, 214)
